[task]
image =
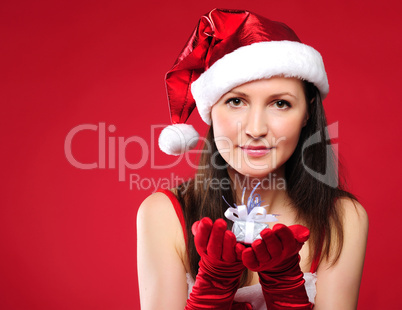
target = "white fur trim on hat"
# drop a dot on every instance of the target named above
(177, 139)
(258, 61)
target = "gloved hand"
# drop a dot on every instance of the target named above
(220, 267)
(276, 259)
(241, 306)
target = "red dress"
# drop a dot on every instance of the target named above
(251, 294)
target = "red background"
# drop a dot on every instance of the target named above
(67, 235)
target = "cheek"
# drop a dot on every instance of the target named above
(225, 136)
(225, 133)
(287, 131)
(224, 126)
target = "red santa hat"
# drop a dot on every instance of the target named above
(229, 48)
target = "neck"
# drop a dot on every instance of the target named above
(272, 189)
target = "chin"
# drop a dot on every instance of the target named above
(245, 170)
(254, 173)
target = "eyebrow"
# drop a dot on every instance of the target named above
(283, 94)
(239, 93)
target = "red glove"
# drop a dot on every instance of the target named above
(276, 259)
(241, 306)
(220, 267)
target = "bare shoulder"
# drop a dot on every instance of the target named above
(154, 204)
(161, 254)
(338, 277)
(158, 224)
(157, 217)
(354, 224)
(353, 213)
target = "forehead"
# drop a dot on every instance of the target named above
(272, 84)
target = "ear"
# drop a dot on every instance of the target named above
(306, 119)
(307, 116)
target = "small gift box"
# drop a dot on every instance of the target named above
(249, 219)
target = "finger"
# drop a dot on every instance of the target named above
(215, 243)
(265, 232)
(260, 250)
(250, 260)
(229, 243)
(241, 306)
(286, 236)
(194, 228)
(272, 243)
(300, 232)
(239, 250)
(202, 235)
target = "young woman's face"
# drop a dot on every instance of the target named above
(257, 125)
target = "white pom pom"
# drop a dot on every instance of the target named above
(177, 139)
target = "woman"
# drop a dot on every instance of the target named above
(260, 88)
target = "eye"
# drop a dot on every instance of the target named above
(234, 102)
(282, 104)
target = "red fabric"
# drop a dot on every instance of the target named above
(211, 40)
(276, 259)
(220, 268)
(281, 300)
(241, 306)
(179, 212)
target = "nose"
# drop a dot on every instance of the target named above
(256, 123)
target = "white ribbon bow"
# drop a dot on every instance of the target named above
(257, 214)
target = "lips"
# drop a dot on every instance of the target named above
(256, 151)
(250, 147)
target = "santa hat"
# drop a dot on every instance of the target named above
(229, 48)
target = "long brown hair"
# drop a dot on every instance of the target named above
(313, 199)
